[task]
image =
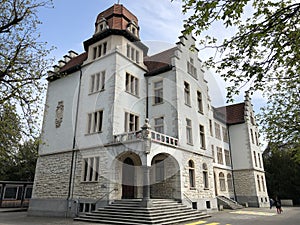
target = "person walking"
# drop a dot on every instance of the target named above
(277, 204)
(271, 203)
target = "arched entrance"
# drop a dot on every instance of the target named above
(165, 177)
(128, 177)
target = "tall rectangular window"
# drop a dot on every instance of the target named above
(90, 169)
(158, 92)
(213, 153)
(251, 134)
(132, 84)
(100, 50)
(95, 121)
(220, 155)
(211, 128)
(97, 82)
(131, 122)
(191, 68)
(217, 131)
(227, 157)
(189, 137)
(159, 125)
(199, 102)
(187, 96)
(256, 138)
(225, 134)
(202, 136)
(133, 54)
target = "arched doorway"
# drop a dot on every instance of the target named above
(165, 177)
(128, 177)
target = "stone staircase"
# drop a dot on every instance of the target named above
(228, 203)
(130, 211)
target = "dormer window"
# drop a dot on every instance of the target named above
(101, 25)
(133, 28)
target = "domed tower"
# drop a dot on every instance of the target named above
(117, 20)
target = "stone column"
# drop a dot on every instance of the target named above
(146, 134)
(146, 202)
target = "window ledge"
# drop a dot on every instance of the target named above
(132, 94)
(95, 92)
(193, 188)
(188, 105)
(99, 132)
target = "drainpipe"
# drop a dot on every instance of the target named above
(147, 98)
(74, 151)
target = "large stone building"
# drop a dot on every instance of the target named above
(121, 124)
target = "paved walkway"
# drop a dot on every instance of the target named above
(248, 216)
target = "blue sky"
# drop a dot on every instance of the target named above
(71, 22)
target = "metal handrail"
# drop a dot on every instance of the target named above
(99, 199)
(187, 197)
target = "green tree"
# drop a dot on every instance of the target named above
(23, 59)
(279, 164)
(262, 54)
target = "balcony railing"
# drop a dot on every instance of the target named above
(155, 137)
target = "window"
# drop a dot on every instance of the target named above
(202, 137)
(222, 181)
(263, 184)
(211, 128)
(251, 134)
(227, 157)
(255, 160)
(252, 118)
(225, 134)
(259, 161)
(189, 138)
(256, 138)
(12, 192)
(229, 182)
(220, 155)
(28, 192)
(217, 131)
(213, 152)
(90, 171)
(100, 50)
(199, 102)
(192, 174)
(191, 68)
(159, 125)
(132, 84)
(97, 82)
(159, 170)
(158, 92)
(95, 121)
(258, 183)
(131, 122)
(133, 54)
(187, 97)
(205, 176)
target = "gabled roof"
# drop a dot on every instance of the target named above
(160, 62)
(231, 114)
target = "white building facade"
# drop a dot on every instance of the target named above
(120, 124)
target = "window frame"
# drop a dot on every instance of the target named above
(187, 93)
(202, 137)
(159, 126)
(95, 122)
(189, 131)
(90, 169)
(192, 181)
(132, 84)
(128, 123)
(97, 82)
(158, 92)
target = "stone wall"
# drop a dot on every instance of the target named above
(52, 176)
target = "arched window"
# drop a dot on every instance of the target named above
(205, 176)
(222, 181)
(192, 173)
(229, 182)
(258, 183)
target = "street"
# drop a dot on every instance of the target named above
(248, 216)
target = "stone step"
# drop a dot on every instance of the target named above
(135, 220)
(131, 212)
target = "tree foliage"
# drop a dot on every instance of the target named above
(279, 164)
(23, 59)
(263, 54)
(17, 159)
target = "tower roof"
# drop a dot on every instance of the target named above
(117, 17)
